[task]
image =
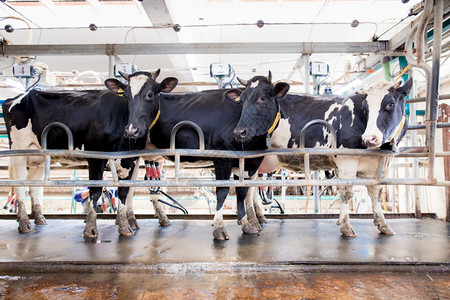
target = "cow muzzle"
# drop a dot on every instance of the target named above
(132, 132)
(372, 141)
(240, 134)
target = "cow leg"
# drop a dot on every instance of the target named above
(18, 171)
(37, 195)
(346, 168)
(242, 193)
(346, 194)
(378, 216)
(131, 217)
(90, 230)
(124, 166)
(249, 208)
(122, 221)
(159, 211)
(251, 214)
(96, 168)
(258, 210)
(223, 171)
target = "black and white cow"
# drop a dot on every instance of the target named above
(372, 120)
(217, 113)
(97, 120)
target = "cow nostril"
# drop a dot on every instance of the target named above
(243, 133)
(132, 131)
(371, 140)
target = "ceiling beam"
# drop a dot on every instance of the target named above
(158, 13)
(379, 47)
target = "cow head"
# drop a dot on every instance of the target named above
(260, 110)
(386, 114)
(142, 93)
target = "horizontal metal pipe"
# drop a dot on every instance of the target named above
(423, 99)
(197, 153)
(226, 216)
(404, 151)
(195, 48)
(420, 126)
(223, 183)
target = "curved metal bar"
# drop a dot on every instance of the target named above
(318, 122)
(61, 125)
(201, 136)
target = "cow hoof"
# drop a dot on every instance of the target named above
(165, 222)
(220, 234)
(90, 231)
(262, 219)
(249, 229)
(255, 226)
(386, 230)
(24, 226)
(347, 230)
(40, 220)
(126, 230)
(133, 223)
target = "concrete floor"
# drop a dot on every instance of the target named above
(288, 259)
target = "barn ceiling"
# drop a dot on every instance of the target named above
(62, 22)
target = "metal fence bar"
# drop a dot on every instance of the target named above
(224, 183)
(423, 99)
(420, 126)
(403, 152)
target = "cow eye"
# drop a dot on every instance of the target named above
(390, 106)
(149, 95)
(263, 98)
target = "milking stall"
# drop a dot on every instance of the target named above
(225, 149)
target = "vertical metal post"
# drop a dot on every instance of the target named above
(316, 194)
(306, 73)
(415, 142)
(241, 169)
(445, 113)
(177, 167)
(113, 170)
(111, 66)
(433, 90)
(47, 167)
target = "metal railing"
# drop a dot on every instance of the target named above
(240, 155)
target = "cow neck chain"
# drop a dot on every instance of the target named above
(276, 121)
(273, 126)
(153, 124)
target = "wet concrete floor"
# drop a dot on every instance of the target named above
(288, 259)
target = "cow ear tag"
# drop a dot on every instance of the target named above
(238, 99)
(120, 92)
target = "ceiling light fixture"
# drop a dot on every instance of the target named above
(260, 23)
(354, 23)
(176, 27)
(9, 28)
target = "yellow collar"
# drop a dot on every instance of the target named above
(155, 120)
(275, 123)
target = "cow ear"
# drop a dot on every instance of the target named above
(281, 89)
(115, 85)
(168, 84)
(405, 88)
(233, 95)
